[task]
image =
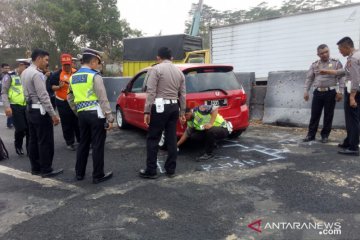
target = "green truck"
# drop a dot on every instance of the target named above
(141, 52)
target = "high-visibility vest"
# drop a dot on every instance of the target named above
(200, 120)
(16, 91)
(82, 85)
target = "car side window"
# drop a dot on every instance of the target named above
(137, 86)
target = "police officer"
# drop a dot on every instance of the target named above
(59, 81)
(5, 69)
(41, 116)
(15, 104)
(324, 95)
(87, 95)
(350, 145)
(204, 123)
(165, 87)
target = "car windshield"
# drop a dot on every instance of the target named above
(201, 80)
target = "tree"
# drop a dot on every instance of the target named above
(64, 26)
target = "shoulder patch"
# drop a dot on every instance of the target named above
(316, 62)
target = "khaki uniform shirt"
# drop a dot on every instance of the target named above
(6, 83)
(323, 81)
(165, 81)
(352, 70)
(33, 81)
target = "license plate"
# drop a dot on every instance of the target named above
(220, 102)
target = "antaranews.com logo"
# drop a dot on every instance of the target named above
(324, 228)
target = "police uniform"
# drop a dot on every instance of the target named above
(165, 87)
(352, 118)
(195, 129)
(13, 97)
(87, 96)
(325, 90)
(69, 121)
(40, 113)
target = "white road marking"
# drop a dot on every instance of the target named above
(46, 182)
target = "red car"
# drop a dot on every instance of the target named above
(205, 84)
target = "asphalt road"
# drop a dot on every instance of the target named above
(290, 189)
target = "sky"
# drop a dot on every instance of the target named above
(169, 16)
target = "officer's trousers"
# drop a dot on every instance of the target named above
(322, 100)
(69, 122)
(210, 136)
(41, 143)
(21, 125)
(352, 118)
(92, 131)
(158, 123)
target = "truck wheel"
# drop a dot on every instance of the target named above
(121, 122)
(236, 134)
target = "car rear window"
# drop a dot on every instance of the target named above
(199, 80)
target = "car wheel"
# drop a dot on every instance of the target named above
(162, 142)
(121, 122)
(236, 134)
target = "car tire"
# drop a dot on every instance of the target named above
(120, 120)
(236, 134)
(162, 142)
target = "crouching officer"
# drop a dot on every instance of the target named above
(15, 104)
(41, 116)
(87, 96)
(204, 123)
(325, 94)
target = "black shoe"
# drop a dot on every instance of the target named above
(79, 177)
(342, 145)
(308, 139)
(53, 173)
(324, 140)
(349, 152)
(19, 151)
(144, 174)
(71, 147)
(106, 177)
(205, 157)
(170, 175)
(36, 173)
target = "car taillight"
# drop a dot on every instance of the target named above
(243, 98)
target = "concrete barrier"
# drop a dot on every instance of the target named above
(113, 86)
(247, 80)
(257, 102)
(284, 103)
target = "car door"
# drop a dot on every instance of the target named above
(136, 100)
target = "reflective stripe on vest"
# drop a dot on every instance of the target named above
(201, 120)
(16, 92)
(82, 85)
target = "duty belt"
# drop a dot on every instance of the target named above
(82, 105)
(325, 89)
(170, 101)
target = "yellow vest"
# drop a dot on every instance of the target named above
(200, 120)
(16, 92)
(82, 85)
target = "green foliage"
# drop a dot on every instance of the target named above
(64, 26)
(211, 17)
